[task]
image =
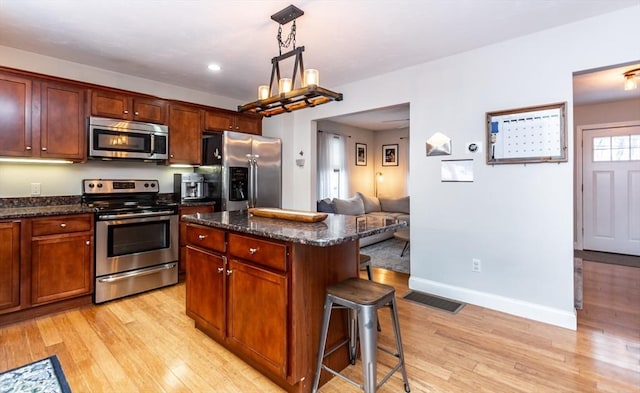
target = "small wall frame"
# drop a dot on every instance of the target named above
(527, 135)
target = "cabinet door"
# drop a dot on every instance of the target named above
(110, 104)
(62, 122)
(249, 124)
(185, 135)
(219, 121)
(205, 289)
(15, 116)
(9, 265)
(257, 314)
(150, 110)
(61, 267)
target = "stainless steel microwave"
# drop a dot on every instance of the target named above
(122, 139)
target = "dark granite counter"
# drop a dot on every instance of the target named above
(335, 229)
(35, 211)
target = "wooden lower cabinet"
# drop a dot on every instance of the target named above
(257, 314)
(61, 257)
(61, 267)
(9, 265)
(46, 265)
(263, 299)
(205, 289)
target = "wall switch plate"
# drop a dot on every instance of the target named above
(476, 265)
(35, 189)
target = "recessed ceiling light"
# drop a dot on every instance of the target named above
(214, 67)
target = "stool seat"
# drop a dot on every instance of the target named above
(360, 291)
(362, 298)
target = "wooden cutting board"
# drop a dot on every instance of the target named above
(291, 215)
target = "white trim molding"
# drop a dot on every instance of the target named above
(536, 312)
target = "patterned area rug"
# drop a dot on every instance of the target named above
(43, 376)
(386, 255)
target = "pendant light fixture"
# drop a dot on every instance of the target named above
(300, 91)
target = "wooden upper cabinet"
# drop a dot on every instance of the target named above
(9, 266)
(185, 135)
(220, 120)
(122, 106)
(62, 122)
(41, 119)
(15, 115)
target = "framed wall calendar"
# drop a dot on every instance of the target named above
(527, 135)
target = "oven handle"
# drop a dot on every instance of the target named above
(137, 273)
(135, 215)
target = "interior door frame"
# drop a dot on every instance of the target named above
(578, 191)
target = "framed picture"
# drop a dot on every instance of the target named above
(389, 155)
(361, 154)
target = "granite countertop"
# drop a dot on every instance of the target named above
(335, 229)
(35, 211)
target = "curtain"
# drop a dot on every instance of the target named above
(332, 171)
(324, 165)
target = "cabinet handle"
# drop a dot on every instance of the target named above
(87, 242)
(44, 149)
(136, 113)
(229, 271)
(253, 251)
(126, 112)
(220, 269)
(171, 155)
(202, 237)
(28, 148)
(63, 225)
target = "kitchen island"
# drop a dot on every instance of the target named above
(257, 286)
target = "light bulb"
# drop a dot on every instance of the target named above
(284, 85)
(263, 92)
(630, 82)
(311, 78)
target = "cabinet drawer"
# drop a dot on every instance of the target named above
(205, 237)
(61, 224)
(273, 255)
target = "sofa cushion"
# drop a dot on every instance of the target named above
(353, 206)
(400, 205)
(371, 203)
(325, 206)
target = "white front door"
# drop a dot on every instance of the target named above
(611, 190)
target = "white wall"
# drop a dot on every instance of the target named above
(517, 219)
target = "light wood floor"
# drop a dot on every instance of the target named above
(146, 343)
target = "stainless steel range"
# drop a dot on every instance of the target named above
(136, 237)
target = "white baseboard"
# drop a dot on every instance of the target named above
(536, 312)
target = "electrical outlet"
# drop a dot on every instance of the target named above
(476, 265)
(35, 189)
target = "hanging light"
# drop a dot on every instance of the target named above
(302, 90)
(631, 79)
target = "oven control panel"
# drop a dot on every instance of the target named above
(115, 186)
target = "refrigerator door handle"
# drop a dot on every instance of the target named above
(251, 199)
(255, 182)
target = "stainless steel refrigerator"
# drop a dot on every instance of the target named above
(242, 170)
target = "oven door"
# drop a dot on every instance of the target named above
(133, 243)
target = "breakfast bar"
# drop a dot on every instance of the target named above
(256, 285)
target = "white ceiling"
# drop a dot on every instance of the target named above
(173, 41)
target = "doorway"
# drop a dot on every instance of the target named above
(611, 188)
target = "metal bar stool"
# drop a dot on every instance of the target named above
(362, 298)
